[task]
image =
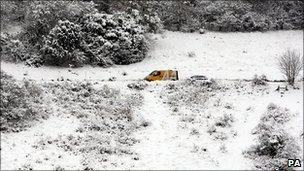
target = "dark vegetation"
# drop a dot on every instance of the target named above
(72, 33)
(226, 16)
(104, 32)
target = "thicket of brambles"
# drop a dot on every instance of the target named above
(105, 32)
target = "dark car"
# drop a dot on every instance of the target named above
(198, 77)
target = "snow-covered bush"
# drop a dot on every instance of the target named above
(224, 121)
(42, 16)
(148, 19)
(140, 85)
(191, 54)
(189, 93)
(114, 38)
(274, 145)
(21, 103)
(152, 23)
(63, 45)
(254, 21)
(276, 114)
(12, 50)
(259, 80)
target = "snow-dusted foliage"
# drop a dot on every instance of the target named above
(12, 50)
(227, 16)
(259, 80)
(114, 38)
(144, 11)
(274, 145)
(63, 45)
(140, 85)
(106, 116)
(21, 103)
(99, 39)
(224, 121)
(190, 93)
(42, 16)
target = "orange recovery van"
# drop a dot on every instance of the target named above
(162, 75)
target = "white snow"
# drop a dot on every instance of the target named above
(167, 143)
(218, 55)
(17, 148)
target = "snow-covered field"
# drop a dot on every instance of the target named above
(174, 140)
(216, 55)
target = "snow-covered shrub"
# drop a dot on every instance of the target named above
(191, 54)
(114, 39)
(276, 114)
(188, 93)
(135, 99)
(21, 103)
(152, 22)
(148, 19)
(12, 50)
(42, 16)
(274, 145)
(211, 129)
(254, 21)
(290, 64)
(220, 136)
(225, 121)
(228, 22)
(140, 85)
(63, 45)
(259, 80)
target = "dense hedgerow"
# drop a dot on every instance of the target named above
(21, 104)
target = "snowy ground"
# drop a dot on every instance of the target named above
(217, 55)
(168, 142)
